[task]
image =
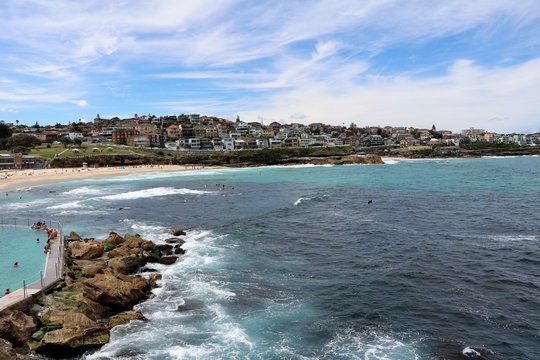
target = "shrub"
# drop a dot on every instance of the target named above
(109, 247)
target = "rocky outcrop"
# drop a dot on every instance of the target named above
(125, 264)
(71, 341)
(85, 249)
(120, 292)
(125, 317)
(17, 327)
(348, 159)
(101, 285)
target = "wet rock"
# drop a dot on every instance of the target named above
(147, 269)
(125, 317)
(178, 250)
(168, 260)
(177, 232)
(175, 240)
(154, 278)
(165, 248)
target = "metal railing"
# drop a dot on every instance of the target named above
(54, 264)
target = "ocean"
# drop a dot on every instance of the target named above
(413, 259)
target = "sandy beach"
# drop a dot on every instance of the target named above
(11, 180)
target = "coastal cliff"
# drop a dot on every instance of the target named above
(335, 155)
(103, 281)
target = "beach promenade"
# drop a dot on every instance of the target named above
(50, 275)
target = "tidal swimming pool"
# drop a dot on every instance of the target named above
(18, 244)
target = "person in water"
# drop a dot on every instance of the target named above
(7, 292)
(16, 264)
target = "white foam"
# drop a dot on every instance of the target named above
(23, 205)
(154, 192)
(510, 238)
(470, 352)
(391, 162)
(499, 157)
(369, 345)
(299, 201)
(68, 205)
(85, 190)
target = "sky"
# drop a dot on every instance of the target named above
(454, 63)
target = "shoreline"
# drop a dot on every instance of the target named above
(17, 179)
(13, 180)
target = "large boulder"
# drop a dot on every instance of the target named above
(85, 250)
(125, 317)
(177, 232)
(89, 268)
(126, 264)
(17, 327)
(117, 291)
(165, 249)
(168, 260)
(119, 252)
(175, 240)
(73, 340)
(133, 241)
(72, 299)
(113, 239)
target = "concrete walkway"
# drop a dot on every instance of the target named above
(54, 271)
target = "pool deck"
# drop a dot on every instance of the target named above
(53, 272)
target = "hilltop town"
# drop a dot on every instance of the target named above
(196, 133)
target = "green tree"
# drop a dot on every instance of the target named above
(5, 131)
(22, 140)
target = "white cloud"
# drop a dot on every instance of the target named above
(468, 95)
(81, 103)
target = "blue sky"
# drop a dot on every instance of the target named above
(455, 64)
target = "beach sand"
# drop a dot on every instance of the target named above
(11, 180)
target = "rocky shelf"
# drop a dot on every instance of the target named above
(102, 283)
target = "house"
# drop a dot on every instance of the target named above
(75, 135)
(174, 131)
(139, 141)
(194, 143)
(274, 143)
(228, 144)
(122, 134)
(375, 140)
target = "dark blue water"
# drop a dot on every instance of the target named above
(293, 263)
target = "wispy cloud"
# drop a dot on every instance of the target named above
(330, 60)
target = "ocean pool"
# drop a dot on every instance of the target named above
(18, 244)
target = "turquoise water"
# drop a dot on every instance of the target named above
(293, 263)
(18, 243)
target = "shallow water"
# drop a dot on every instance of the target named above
(293, 263)
(18, 244)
